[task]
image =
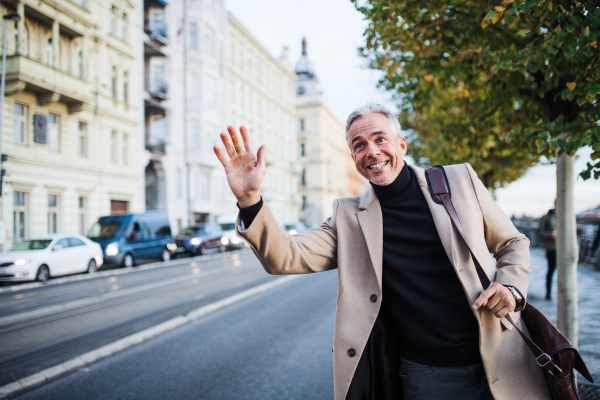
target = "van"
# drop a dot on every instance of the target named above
(127, 239)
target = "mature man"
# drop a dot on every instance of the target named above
(412, 320)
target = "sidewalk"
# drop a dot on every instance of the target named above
(588, 286)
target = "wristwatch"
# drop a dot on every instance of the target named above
(518, 298)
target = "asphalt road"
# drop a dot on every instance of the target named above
(45, 326)
(276, 345)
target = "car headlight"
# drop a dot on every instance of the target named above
(235, 240)
(21, 261)
(224, 241)
(292, 232)
(112, 249)
(172, 246)
(195, 241)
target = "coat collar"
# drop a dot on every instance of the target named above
(371, 223)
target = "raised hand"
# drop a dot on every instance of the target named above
(245, 171)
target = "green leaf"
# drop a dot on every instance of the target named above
(569, 28)
(561, 143)
(594, 89)
(595, 156)
(565, 93)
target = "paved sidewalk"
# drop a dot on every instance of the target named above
(588, 286)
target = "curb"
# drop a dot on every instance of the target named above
(111, 272)
(68, 367)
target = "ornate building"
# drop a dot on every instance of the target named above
(327, 170)
(261, 97)
(71, 118)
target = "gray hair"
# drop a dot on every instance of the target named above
(373, 108)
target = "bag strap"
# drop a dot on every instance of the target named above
(439, 188)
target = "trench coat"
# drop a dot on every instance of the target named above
(351, 240)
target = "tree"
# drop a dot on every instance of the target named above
(521, 75)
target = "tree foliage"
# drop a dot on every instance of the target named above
(498, 84)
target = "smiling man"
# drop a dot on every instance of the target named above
(412, 320)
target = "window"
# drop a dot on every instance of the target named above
(50, 53)
(113, 21)
(80, 64)
(193, 35)
(19, 124)
(195, 133)
(209, 42)
(82, 215)
(74, 242)
(210, 91)
(125, 149)
(193, 87)
(124, 27)
(125, 87)
(302, 149)
(114, 82)
(157, 22)
(113, 146)
(158, 130)
(303, 202)
(158, 74)
(303, 178)
(204, 187)
(53, 205)
(19, 215)
(82, 140)
(52, 132)
(179, 185)
(302, 125)
(119, 207)
(80, 3)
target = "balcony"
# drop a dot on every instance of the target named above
(49, 84)
(158, 90)
(157, 31)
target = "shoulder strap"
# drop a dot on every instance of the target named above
(438, 185)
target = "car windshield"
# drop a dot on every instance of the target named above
(228, 227)
(104, 229)
(190, 231)
(37, 244)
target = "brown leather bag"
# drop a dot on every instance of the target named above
(559, 357)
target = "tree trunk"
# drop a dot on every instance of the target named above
(566, 249)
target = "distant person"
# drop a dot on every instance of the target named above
(547, 231)
(412, 321)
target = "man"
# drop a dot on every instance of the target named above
(404, 324)
(547, 231)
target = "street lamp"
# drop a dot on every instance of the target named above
(7, 17)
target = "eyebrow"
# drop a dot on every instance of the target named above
(372, 134)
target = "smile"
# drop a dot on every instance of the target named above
(378, 165)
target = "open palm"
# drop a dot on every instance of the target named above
(245, 170)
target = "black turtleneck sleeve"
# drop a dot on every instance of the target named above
(248, 214)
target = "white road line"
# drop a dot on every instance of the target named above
(58, 371)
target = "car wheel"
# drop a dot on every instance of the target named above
(43, 274)
(166, 255)
(204, 250)
(92, 267)
(128, 260)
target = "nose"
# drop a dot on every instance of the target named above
(372, 150)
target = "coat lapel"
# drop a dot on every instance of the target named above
(442, 220)
(371, 223)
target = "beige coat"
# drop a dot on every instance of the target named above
(352, 239)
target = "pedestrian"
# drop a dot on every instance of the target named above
(547, 231)
(412, 320)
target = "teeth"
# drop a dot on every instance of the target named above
(378, 166)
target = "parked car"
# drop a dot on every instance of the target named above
(130, 238)
(41, 257)
(230, 239)
(200, 239)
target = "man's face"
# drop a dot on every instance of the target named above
(375, 150)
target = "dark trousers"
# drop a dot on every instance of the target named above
(551, 255)
(422, 382)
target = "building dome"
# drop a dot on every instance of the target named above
(307, 83)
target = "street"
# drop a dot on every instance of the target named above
(275, 345)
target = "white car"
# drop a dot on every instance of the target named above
(41, 257)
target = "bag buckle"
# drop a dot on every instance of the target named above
(545, 361)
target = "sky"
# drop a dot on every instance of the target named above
(333, 30)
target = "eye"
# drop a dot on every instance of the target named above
(380, 140)
(358, 146)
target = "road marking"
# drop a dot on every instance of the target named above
(51, 374)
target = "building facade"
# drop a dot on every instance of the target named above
(261, 97)
(327, 169)
(71, 120)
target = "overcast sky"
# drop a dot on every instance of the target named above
(333, 30)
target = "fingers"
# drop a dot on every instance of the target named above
(503, 312)
(228, 146)
(237, 143)
(246, 139)
(497, 298)
(260, 157)
(220, 156)
(482, 300)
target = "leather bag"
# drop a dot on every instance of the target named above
(552, 351)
